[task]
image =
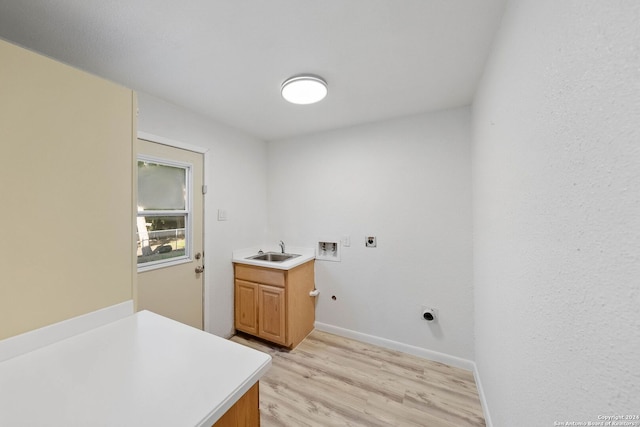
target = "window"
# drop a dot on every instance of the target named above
(163, 212)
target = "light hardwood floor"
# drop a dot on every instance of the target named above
(334, 381)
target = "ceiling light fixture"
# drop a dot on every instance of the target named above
(304, 89)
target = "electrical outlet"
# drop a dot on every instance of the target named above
(371, 241)
(429, 313)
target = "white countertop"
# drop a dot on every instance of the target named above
(306, 254)
(143, 370)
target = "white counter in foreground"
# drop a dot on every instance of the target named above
(143, 370)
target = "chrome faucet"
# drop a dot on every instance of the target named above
(281, 246)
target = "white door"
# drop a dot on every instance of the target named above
(170, 232)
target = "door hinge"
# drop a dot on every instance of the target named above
(204, 189)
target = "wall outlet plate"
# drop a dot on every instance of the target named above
(371, 241)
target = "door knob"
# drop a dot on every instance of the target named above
(199, 269)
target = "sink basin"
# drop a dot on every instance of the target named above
(273, 257)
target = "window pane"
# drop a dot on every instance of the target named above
(160, 237)
(161, 187)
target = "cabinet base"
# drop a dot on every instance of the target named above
(245, 412)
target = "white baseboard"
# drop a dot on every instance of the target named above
(458, 362)
(38, 338)
(483, 398)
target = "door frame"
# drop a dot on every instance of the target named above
(206, 291)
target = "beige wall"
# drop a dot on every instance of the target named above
(65, 191)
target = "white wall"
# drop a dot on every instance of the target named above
(406, 181)
(556, 171)
(237, 182)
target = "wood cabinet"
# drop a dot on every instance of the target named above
(275, 304)
(271, 314)
(245, 412)
(246, 306)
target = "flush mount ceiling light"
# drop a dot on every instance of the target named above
(304, 89)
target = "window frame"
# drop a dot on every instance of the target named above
(187, 212)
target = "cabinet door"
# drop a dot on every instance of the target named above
(246, 307)
(271, 312)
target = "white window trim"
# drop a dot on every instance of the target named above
(187, 257)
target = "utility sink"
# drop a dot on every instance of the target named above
(272, 257)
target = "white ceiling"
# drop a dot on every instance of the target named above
(226, 59)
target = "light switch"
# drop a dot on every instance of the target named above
(222, 214)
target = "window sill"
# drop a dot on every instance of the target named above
(155, 265)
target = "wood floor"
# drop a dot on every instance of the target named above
(334, 381)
